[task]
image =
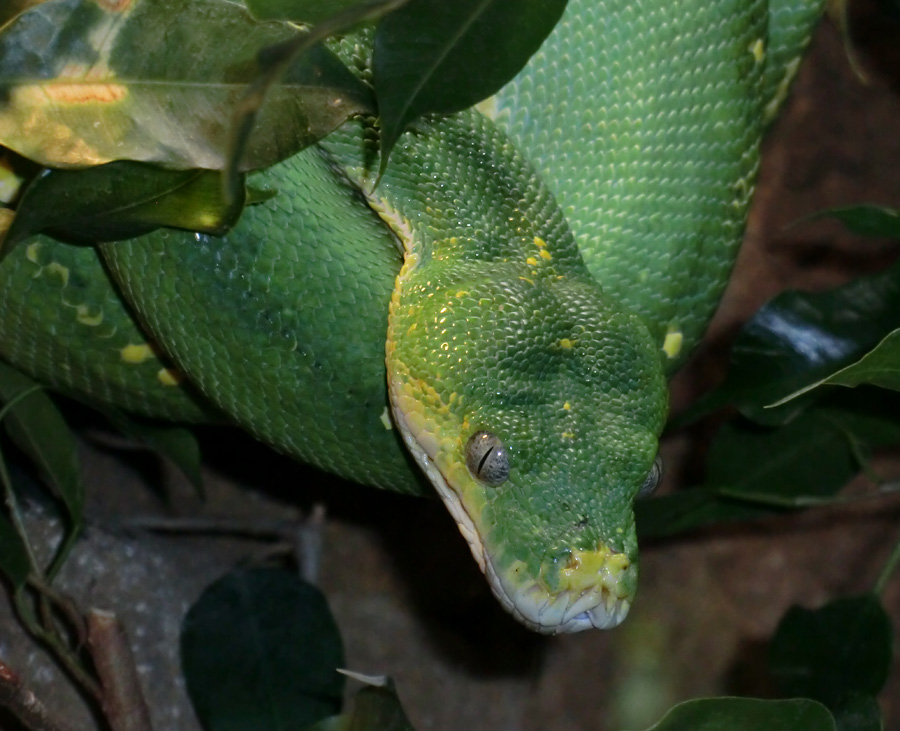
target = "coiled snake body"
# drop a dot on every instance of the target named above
(536, 271)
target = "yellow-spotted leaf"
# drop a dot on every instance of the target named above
(84, 82)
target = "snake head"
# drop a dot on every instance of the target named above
(535, 406)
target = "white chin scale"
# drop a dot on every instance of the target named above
(562, 613)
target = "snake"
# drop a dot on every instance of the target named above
(493, 318)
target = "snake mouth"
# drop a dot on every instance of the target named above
(563, 612)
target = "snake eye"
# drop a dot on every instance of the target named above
(652, 478)
(487, 459)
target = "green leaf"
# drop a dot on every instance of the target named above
(376, 707)
(13, 555)
(303, 11)
(9, 9)
(273, 63)
(746, 714)
(260, 650)
(798, 339)
(833, 652)
(865, 220)
(438, 56)
(176, 443)
(121, 200)
(39, 430)
(858, 712)
(753, 471)
(878, 367)
(86, 83)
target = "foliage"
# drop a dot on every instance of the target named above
(97, 113)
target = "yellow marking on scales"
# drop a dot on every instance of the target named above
(567, 406)
(567, 344)
(136, 353)
(758, 49)
(673, 343)
(585, 569)
(54, 267)
(84, 316)
(32, 251)
(169, 376)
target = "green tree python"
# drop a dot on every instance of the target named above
(499, 314)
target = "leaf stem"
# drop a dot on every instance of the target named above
(887, 570)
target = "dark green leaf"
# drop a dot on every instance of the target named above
(753, 471)
(173, 442)
(798, 339)
(866, 220)
(86, 83)
(746, 714)
(302, 11)
(831, 653)
(858, 712)
(121, 200)
(879, 367)
(260, 650)
(39, 430)
(273, 64)
(13, 556)
(9, 9)
(376, 707)
(438, 56)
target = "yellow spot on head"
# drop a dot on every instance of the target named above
(531, 261)
(136, 353)
(585, 569)
(169, 377)
(758, 50)
(673, 342)
(567, 406)
(539, 242)
(567, 344)
(568, 435)
(546, 254)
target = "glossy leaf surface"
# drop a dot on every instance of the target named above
(746, 714)
(39, 430)
(121, 200)
(156, 81)
(438, 56)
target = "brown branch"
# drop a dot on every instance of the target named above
(123, 702)
(23, 704)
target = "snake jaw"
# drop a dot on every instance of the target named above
(603, 605)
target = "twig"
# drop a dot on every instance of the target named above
(308, 544)
(264, 529)
(24, 705)
(887, 570)
(123, 701)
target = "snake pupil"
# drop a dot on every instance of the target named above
(487, 459)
